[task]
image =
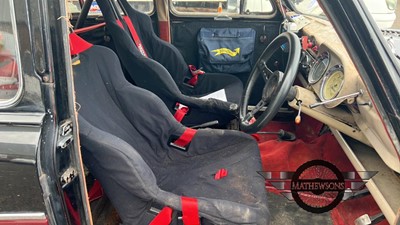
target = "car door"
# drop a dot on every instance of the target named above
(40, 168)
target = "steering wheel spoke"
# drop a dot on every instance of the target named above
(265, 71)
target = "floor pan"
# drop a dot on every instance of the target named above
(282, 156)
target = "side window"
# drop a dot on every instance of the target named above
(146, 6)
(227, 7)
(257, 7)
(74, 6)
(10, 70)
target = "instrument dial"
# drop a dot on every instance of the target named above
(319, 68)
(332, 83)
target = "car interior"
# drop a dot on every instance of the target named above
(171, 133)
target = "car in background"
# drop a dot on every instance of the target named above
(383, 11)
(383, 14)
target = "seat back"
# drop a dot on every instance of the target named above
(160, 51)
(124, 143)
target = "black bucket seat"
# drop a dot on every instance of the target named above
(143, 157)
(158, 66)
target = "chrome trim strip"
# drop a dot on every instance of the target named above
(21, 118)
(23, 216)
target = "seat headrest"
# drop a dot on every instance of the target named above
(77, 44)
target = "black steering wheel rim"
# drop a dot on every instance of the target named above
(285, 82)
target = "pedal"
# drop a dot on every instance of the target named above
(359, 194)
(367, 220)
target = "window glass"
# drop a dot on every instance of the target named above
(10, 70)
(74, 6)
(146, 6)
(386, 14)
(230, 7)
(257, 6)
(383, 11)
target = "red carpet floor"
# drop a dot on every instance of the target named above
(279, 155)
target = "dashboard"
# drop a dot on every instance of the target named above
(333, 92)
(326, 75)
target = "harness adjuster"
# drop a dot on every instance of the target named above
(172, 144)
(180, 111)
(182, 142)
(179, 106)
(195, 76)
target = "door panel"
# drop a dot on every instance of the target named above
(21, 114)
(20, 190)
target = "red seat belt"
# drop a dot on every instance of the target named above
(120, 24)
(190, 211)
(96, 191)
(77, 44)
(135, 36)
(195, 75)
(73, 212)
(185, 138)
(181, 111)
(163, 218)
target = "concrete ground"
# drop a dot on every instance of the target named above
(288, 212)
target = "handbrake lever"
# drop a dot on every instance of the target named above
(204, 125)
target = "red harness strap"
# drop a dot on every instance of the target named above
(185, 138)
(96, 191)
(77, 44)
(190, 211)
(120, 24)
(73, 212)
(181, 111)
(163, 218)
(195, 75)
(135, 36)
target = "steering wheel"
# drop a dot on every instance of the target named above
(277, 83)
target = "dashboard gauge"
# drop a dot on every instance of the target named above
(319, 68)
(332, 83)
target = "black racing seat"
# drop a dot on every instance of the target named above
(125, 134)
(164, 71)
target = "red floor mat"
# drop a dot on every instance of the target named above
(279, 156)
(348, 211)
